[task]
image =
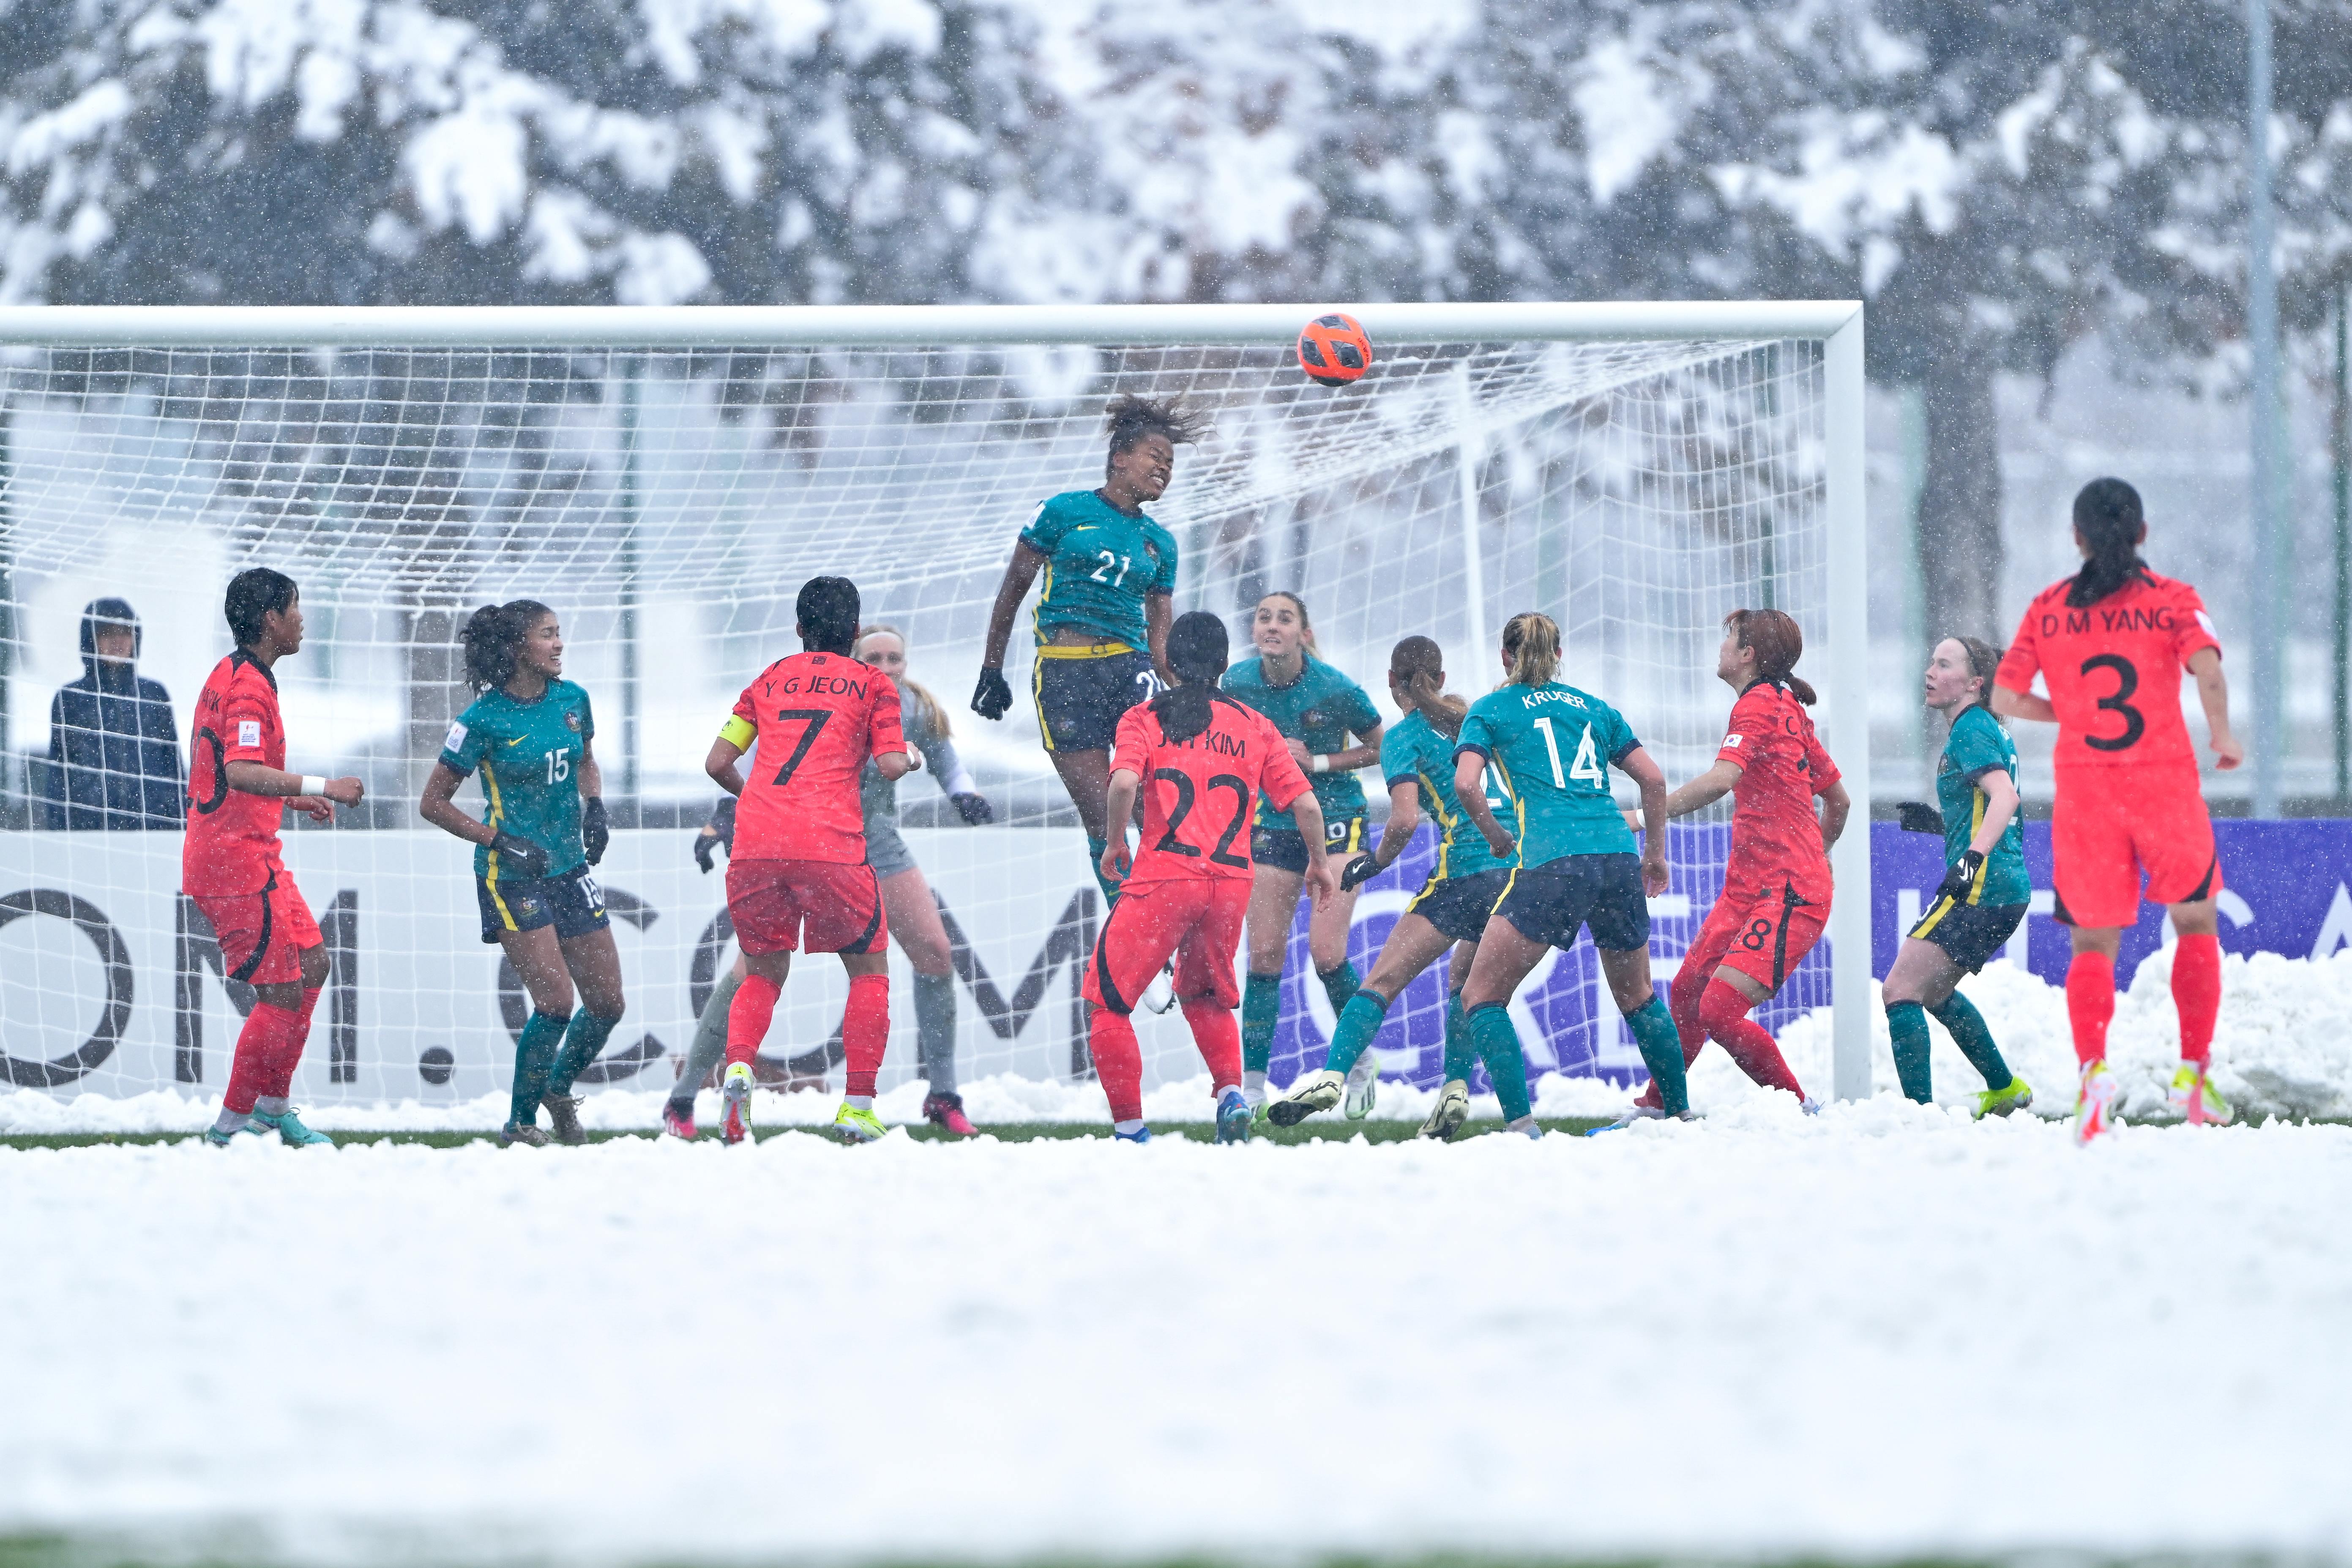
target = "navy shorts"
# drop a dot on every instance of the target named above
(1286, 851)
(1603, 892)
(1459, 906)
(572, 903)
(1969, 935)
(1082, 695)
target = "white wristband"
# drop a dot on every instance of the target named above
(1321, 764)
(313, 784)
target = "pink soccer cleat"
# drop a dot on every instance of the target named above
(946, 1110)
(677, 1119)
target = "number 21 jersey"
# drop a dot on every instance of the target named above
(2113, 670)
(816, 718)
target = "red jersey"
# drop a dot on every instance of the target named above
(817, 716)
(1197, 797)
(231, 843)
(2113, 670)
(1776, 839)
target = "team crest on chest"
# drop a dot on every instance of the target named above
(571, 721)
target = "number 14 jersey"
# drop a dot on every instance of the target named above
(816, 718)
(1197, 797)
(2113, 670)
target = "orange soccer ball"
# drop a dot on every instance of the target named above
(1334, 349)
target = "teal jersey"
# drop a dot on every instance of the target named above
(1977, 745)
(1099, 564)
(529, 754)
(1553, 745)
(1413, 751)
(1319, 711)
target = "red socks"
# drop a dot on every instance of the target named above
(1219, 1037)
(268, 1049)
(1723, 1012)
(2090, 1002)
(865, 1031)
(747, 1016)
(2195, 994)
(1118, 1061)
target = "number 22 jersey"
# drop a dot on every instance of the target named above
(2113, 669)
(1197, 797)
(816, 718)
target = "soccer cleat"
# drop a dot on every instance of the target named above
(563, 1112)
(1452, 1109)
(852, 1125)
(1525, 1127)
(1319, 1090)
(735, 1098)
(946, 1110)
(1161, 995)
(1638, 1114)
(2014, 1095)
(530, 1135)
(1140, 1135)
(2095, 1103)
(677, 1119)
(1234, 1117)
(1363, 1086)
(290, 1130)
(220, 1140)
(2193, 1091)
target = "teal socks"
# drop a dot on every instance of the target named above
(1458, 1056)
(1359, 1020)
(1095, 848)
(582, 1042)
(1339, 983)
(1497, 1045)
(1662, 1053)
(1906, 1023)
(1959, 1016)
(1261, 1011)
(534, 1057)
(935, 1029)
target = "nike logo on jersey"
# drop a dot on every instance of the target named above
(517, 741)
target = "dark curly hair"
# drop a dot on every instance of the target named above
(1132, 418)
(493, 636)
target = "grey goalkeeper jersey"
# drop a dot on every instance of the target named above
(880, 796)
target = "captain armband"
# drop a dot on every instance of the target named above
(739, 733)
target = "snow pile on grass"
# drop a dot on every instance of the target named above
(1883, 1332)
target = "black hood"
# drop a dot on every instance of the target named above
(109, 612)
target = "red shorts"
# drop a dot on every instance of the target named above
(2111, 825)
(262, 935)
(1761, 933)
(819, 906)
(1198, 919)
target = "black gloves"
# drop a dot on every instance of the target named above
(720, 833)
(526, 859)
(1956, 878)
(991, 697)
(1358, 871)
(596, 831)
(974, 808)
(1918, 817)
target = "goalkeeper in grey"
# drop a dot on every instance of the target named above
(914, 913)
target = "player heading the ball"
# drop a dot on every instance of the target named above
(798, 871)
(230, 863)
(530, 734)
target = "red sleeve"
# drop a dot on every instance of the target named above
(889, 733)
(1280, 775)
(2023, 661)
(247, 717)
(1817, 761)
(1749, 731)
(1131, 746)
(747, 710)
(2192, 629)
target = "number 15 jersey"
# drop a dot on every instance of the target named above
(2114, 672)
(1197, 797)
(816, 718)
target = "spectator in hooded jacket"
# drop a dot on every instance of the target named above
(114, 751)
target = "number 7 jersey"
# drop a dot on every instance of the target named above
(815, 718)
(2113, 670)
(1198, 796)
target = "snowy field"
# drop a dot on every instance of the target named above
(1883, 1330)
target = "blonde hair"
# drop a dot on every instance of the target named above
(1416, 665)
(934, 716)
(1532, 641)
(1306, 623)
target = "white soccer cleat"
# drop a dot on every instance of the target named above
(1363, 1086)
(1161, 995)
(1451, 1109)
(2094, 1103)
(1316, 1091)
(735, 1097)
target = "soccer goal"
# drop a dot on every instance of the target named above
(666, 479)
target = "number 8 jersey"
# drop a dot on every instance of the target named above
(1198, 797)
(816, 718)
(2113, 670)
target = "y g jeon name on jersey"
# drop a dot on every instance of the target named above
(818, 686)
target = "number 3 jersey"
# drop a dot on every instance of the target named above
(1197, 797)
(529, 754)
(816, 718)
(2113, 670)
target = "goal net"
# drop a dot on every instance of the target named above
(667, 484)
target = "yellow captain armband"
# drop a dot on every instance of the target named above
(737, 732)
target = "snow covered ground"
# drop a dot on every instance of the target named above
(1881, 1331)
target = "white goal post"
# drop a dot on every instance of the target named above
(133, 413)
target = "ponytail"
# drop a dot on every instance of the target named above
(493, 636)
(1197, 646)
(2108, 518)
(1417, 667)
(1778, 644)
(1531, 642)
(1984, 660)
